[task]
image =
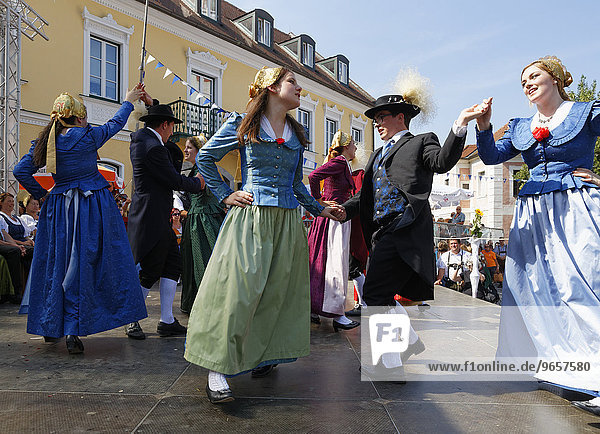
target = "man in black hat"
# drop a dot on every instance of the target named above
(394, 208)
(152, 239)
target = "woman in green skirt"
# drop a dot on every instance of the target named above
(252, 310)
(200, 230)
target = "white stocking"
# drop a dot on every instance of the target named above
(167, 289)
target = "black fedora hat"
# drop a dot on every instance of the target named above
(393, 102)
(160, 111)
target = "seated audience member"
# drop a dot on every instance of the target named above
(13, 255)
(30, 216)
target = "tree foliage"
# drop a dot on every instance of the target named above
(587, 92)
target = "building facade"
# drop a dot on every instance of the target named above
(494, 187)
(204, 54)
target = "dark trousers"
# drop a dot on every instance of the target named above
(12, 255)
(388, 275)
(163, 260)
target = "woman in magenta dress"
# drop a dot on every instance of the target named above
(328, 242)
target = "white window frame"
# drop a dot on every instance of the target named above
(263, 37)
(310, 105)
(334, 114)
(211, 97)
(120, 167)
(108, 29)
(360, 124)
(205, 5)
(203, 62)
(342, 72)
(308, 54)
(103, 76)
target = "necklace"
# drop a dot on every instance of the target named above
(544, 120)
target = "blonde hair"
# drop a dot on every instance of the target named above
(197, 141)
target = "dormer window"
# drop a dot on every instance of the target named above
(210, 8)
(263, 32)
(337, 66)
(257, 24)
(308, 54)
(301, 48)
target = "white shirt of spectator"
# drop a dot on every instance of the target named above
(17, 221)
(448, 258)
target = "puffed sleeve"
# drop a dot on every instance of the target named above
(331, 168)
(220, 144)
(24, 171)
(496, 152)
(301, 193)
(104, 132)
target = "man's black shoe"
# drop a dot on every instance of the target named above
(173, 329)
(134, 331)
(416, 348)
(219, 396)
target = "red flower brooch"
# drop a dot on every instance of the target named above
(541, 133)
(282, 141)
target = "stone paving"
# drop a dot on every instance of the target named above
(122, 385)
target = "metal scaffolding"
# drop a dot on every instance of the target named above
(16, 18)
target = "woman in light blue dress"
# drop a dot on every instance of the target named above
(83, 279)
(551, 294)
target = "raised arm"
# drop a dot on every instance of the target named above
(104, 132)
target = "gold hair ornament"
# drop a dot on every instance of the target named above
(64, 106)
(264, 78)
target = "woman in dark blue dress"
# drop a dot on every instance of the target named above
(83, 279)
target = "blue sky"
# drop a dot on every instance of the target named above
(468, 49)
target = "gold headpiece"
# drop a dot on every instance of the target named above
(557, 70)
(198, 141)
(264, 78)
(340, 139)
(64, 106)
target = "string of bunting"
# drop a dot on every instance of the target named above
(191, 89)
(198, 95)
(479, 177)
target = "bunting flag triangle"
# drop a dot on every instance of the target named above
(175, 79)
(150, 59)
(158, 65)
(192, 90)
(198, 96)
(206, 102)
(185, 83)
(167, 73)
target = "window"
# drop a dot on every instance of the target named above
(480, 180)
(331, 127)
(208, 8)
(343, 73)
(305, 121)
(357, 135)
(465, 186)
(446, 181)
(308, 54)
(263, 32)
(104, 69)
(206, 86)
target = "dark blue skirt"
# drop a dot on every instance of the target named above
(83, 279)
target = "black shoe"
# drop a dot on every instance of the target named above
(587, 406)
(50, 339)
(416, 348)
(134, 331)
(423, 307)
(337, 325)
(219, 396)
(74, 345)
(263, 371)
(173, 329)
(353, 312)
(314, 318)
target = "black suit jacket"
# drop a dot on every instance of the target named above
(155, 177)
(410, 166)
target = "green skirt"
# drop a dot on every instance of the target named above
(253, 305)
(6, 286)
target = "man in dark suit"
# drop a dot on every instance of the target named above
(394, 208)
(152, 239)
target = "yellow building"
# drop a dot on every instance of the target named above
(210, 45)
